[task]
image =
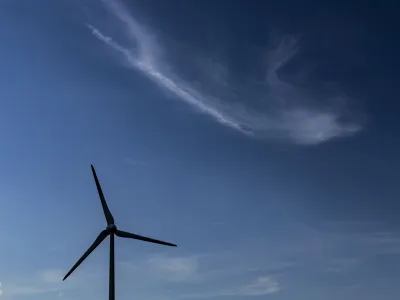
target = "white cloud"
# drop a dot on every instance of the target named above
(261, 286)
(293, 116)
(161, 268)
(44, 282)
(47, 281)
(306, 126)
(52, 276)
(341, 265)
(20, 290)
(175, 268)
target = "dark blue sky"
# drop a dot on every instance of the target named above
(260, 137)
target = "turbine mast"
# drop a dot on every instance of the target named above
(111, 291)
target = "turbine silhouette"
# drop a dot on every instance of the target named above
(110, 230)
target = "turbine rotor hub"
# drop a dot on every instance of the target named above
(112, 228)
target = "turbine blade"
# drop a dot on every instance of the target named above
(97, 242)
(107, 213)
(125, 234)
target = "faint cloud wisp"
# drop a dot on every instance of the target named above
(22, 290)
(260, 287)
(175, 268)
(132, 162)
(42, 283)
(52, 276)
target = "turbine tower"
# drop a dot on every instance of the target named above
(111, 230)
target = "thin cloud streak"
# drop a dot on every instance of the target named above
(132, 162)
(175, 268)
(143, 64)
(298, 122)
(261, 286)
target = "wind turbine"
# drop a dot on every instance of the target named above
(110, 230)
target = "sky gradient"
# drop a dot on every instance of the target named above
(260, 137)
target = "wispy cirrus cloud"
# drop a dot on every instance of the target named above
(297, 114)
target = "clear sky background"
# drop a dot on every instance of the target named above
(259, 136)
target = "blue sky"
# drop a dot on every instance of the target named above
(259, 137)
